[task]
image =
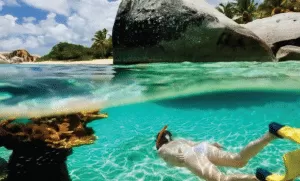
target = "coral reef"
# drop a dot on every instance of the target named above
(41, 147)
(63, 131)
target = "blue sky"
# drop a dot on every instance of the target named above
(37, 25)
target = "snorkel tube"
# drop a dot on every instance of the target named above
(160, 135)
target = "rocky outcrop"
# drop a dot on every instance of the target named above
(23, 54)
(17, 56)
(3, 59)
(35, 57)
(278, 31)
(40, 148)
(288, 53)
(16, 59)
(181, 30)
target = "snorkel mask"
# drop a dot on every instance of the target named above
(160, 135)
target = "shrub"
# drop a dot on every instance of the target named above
(68, 51)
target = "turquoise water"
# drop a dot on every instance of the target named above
(125, 149)
(229, 103)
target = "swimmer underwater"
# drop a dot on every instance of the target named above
(202, 158)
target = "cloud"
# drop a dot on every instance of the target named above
(83, 19)
(1, 5)
(10, 43)
(56, 6)
(35, 37)
(11, 2)
(8, 25)
(29, 19)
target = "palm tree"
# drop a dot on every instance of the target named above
(271, 7)
(100, 38)
(242, 11)
(245, 10)
(292, 5)
(102, 43)
(227, 9)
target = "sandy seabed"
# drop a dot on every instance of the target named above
(95, 61)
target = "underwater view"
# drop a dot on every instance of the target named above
(150, 90)
(228, 103)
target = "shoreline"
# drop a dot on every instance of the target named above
(94, 61)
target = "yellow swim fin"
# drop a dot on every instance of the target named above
(292, 164)
(283, 131)
(292, 169)
(290, 133)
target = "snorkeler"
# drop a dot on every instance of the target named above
(203, 158)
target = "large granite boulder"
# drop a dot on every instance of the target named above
(181, 30)
(35, 57)
(278, 31)
(3, 59)
(16, 59)
(17, 56)
(23, 54)
(288, 52)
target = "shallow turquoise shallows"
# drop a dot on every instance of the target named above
(125, 149)
(228, 103)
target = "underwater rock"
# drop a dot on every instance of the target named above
(278, 31)
(36, 161)
(288, 53)
(40, 148)
(181, 30)
(3, 169)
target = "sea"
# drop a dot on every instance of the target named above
(229, 103)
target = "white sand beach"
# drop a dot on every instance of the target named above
(95, 61)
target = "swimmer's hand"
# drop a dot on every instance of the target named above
(218, 146)
(180, 156)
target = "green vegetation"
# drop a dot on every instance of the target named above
(67, 51)
(271, 7)
(102, 45)
(244, 11)
(228, 9)
(101, 48)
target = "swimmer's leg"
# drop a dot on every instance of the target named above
(223, 158)
(203, 168)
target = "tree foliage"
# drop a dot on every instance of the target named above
(271, 7)
(68, 51)
(101, 48)
(244, 11)
(102, 44)
(227, 9)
